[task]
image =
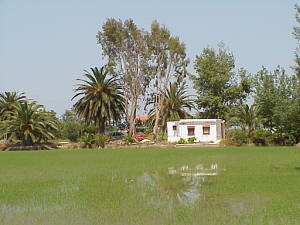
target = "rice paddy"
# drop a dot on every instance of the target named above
(246, 185)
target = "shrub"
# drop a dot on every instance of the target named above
(238, 137)
(129, 139)
(226, 142)
(285, 139)
(101, 140)
(182, 141)
(87, 140)
(191, 140)
(261, 137)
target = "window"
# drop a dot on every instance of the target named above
(206, 129)
(174, 127)
(191, 130)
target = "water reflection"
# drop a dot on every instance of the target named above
(176, 186)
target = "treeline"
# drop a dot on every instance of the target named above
(148, 70)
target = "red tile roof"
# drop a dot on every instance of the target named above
(142, 118)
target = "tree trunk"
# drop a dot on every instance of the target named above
(132, 117)
(101, 124)
(27, 141)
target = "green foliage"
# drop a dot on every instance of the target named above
(277, 96)
(30, 122)
(296, 34)
(284, 139)
(71, 126)
(261, 137)
(176, 105)
(129, 139)
(8, 101)
(101, 140)
(125, 45)
(92, 129)
(102, 98)
(191, 140)
(182, 141)
(237, 136)
(110, 128)
(248, 118)
(217, 85)
(87, 140)
(169, 60)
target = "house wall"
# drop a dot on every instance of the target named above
(181, 131)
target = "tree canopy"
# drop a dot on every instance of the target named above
(102, 98)
(217, 85)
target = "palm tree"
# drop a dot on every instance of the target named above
(175, 106)
(247, 117)
(30, 121)
(102, 98)
(7, 102)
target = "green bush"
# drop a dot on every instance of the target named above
(129, 139)
(101, 140)
(261, 137)
(191, 140)
(182, 141)
(284, 139)
(237, 136)
(87, 140)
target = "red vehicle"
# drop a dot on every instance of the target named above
(140, 136)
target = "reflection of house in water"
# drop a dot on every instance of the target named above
(204, 130)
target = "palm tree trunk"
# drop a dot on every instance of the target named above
(101, 124)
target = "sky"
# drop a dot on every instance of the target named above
(46, 44)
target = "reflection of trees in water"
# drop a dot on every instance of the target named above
(170, 189)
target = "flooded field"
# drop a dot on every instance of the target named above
(151, 186)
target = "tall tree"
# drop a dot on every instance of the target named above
(8, 100)
(102, 98)
(177, 105)
(296, 34)
(169, 60)
(278, 97)
(217, 85)
(125, 46)
(31, 122)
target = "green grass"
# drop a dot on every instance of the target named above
(253, 185)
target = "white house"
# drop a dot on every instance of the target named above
(204, 130)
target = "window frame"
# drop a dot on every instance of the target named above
(205, 132)
(190, 128)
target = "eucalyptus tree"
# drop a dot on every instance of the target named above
(218, 86)
(30, 121)
(168, 60)
(177, 105)
(101, 98)
(124, 44)
(296, 34)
